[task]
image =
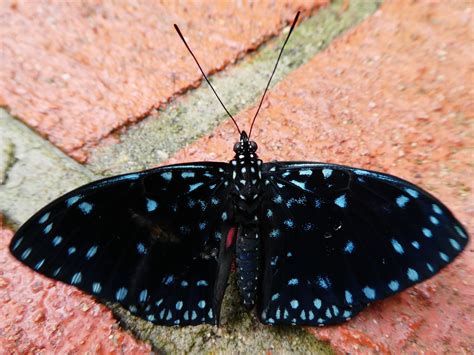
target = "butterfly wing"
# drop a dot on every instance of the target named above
(147, 240)
(338, 238)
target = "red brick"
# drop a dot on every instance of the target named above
(41, 315)
(395, 94)
(76, 71)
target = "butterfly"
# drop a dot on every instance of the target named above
(312, 243)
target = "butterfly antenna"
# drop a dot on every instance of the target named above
(205, 76)
(273, 72)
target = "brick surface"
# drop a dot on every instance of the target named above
(76, 71)
(43, 316)
(393, 95)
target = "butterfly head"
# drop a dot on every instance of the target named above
(245, 145)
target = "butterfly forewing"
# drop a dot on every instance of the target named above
(338, 238)
(148, 240)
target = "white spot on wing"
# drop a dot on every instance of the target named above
(349, 248)
(96, 287)
(348, 296)
(306, 172)
(85, 207)
(91, 252)
(460, 232)
(44, 218)
(167, 175)
(76, 278)
(412, 274)
(17, 243)
(412, 193)
(39, 264)
(299, 184)
(397, 246)
(455, 244)
(48, 228)
(121, 294)
(369, 292)
(293, 282)
(72, 200)
(327, 173)
(57, 240)
(195, 186)
(151, 205)
(143, 296)
(443, 256)
(323, 282)
(274, 233)
(341, 201)
(278, 199)
(437, 209)
(402, 201)
(393, 285)
(427, 233)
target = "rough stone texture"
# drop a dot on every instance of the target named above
(32, 171)
(395, 95)
(75, 71)
(64, 320)
(198, 112)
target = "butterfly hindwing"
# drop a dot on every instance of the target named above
(338, 238)
(147, 240)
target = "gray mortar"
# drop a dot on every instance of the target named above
(240, 86)
(33, 172)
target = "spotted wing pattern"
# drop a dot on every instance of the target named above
(338, 238)
(147, 240)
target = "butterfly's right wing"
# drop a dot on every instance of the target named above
(337, 238)
(148, 240)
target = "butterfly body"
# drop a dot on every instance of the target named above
(247, 197)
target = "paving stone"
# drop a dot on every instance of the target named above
(76, 71)
(32, 171)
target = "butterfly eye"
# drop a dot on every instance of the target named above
(253, 146)
(236, 147)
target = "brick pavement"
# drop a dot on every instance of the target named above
(392, 94)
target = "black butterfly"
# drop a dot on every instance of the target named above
(314, 243)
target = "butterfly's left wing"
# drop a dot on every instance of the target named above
(149, 241)
(337, 238)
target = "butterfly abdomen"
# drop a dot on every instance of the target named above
(248, 264)
(246, 176)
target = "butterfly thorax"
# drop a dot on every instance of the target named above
(246, 177)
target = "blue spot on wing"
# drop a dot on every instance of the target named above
(341, 201)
